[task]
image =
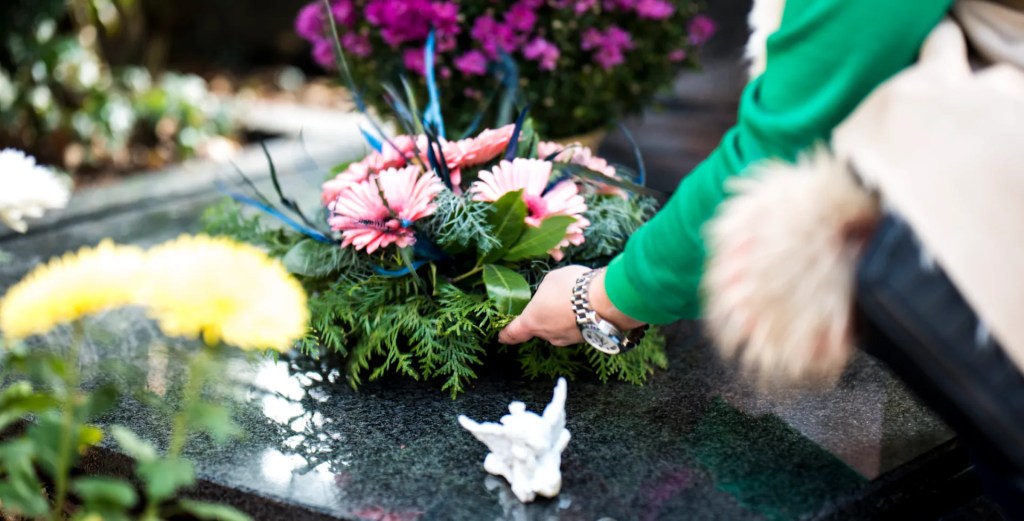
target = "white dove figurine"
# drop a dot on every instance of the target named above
(526, 448)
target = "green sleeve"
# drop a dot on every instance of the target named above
(825, 58)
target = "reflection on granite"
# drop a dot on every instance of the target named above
(693, 443)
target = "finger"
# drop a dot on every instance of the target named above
(516, 332)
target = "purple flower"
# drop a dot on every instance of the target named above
(608, 45)
(592, 39)
(309, 23)
(701, 29)
(543, 51)
(401, 21)
(473, 63)
(343, 11)
(582, 6)
(494, 37)
(609, 57)
(654, 9)
(616, 36)
(677, 55)
(521, 17)
(414, 61)
(356, 44)
(323, 53)
(446, 18)
(447, 42)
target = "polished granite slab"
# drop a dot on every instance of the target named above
(694, 443)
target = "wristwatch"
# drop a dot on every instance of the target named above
(598, 332)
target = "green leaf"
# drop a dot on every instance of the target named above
(164, 477)
(311, 258)
(19, 399)
(105, 491)
(18, 499)
(213, 511)
(88, 436)
(139, 449)
(214, 419)
(537, 241)
(99, 401)
(507, 221)
(20, 491)
(508, 289)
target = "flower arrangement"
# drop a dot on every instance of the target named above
(585, 63)
(200, 287)
(426, 247)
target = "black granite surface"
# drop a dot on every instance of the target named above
(694, 443)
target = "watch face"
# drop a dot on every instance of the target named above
(600, 340)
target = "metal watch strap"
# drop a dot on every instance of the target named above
(585, 315)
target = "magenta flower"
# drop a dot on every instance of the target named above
(654, 9)
(494, 37)
(415, 61)
(677, 55)
(473, 63)
(446, 18)
(701, 29)
(521, 17)
(309, 23)
(609, 57)
(582, 6)
(543, 51)
(532, 177)
(616, 36)
(592, 39)
(344, 12)
(357, 44)
(323, 53)
(369, 221)
(401, 21)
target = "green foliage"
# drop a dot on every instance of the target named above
(507, 224)
(458, 221)
(508, 289)
(613, 220)
(36, 465)
(212, 511)
(535, 242)
(63, 103)
(227, 218)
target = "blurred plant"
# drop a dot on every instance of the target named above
(580, 63)
(60, 100)
(44, 392)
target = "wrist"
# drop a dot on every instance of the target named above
(603, 306)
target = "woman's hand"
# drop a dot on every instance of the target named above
(549, 314)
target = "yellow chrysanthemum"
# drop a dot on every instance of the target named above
(224, 291)
(71, 287)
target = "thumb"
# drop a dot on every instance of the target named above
(516, 332)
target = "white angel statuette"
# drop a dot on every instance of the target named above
(526, 448)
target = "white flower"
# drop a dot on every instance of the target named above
(27, 189)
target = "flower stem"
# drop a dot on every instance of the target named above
(477, 269)
(196, 377)
(65, 449)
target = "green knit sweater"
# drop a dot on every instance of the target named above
(825, 58)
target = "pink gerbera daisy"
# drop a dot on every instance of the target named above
(577, 154)
(532, 177)
(369, 221)
(480, 149)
